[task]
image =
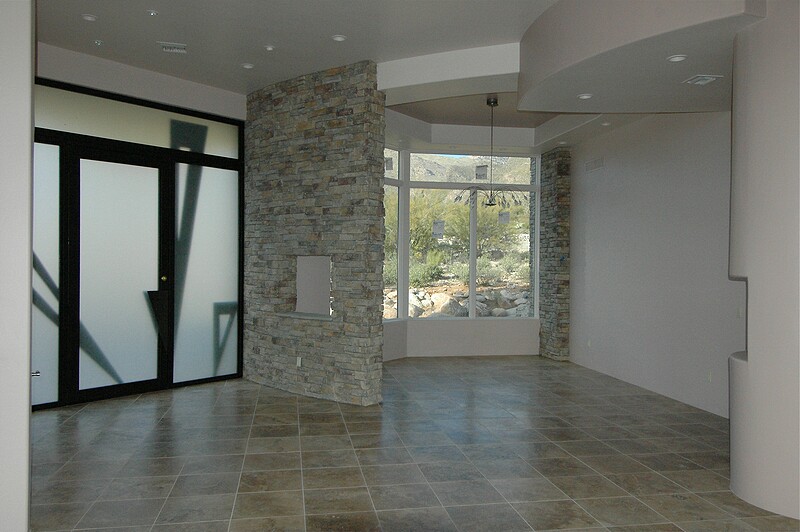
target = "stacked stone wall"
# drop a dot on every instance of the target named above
(314, 186)
(554, 254)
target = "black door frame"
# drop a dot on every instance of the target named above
(75, 332)
(73, 148)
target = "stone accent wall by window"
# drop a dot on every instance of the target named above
(314, 186)
(554, 255)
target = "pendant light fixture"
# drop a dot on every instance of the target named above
(491, 201)
(503, 197)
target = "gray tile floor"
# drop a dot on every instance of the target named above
(472, 444)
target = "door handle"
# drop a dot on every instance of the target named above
(164, 278)
(36, 373)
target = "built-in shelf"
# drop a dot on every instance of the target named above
(305, 316)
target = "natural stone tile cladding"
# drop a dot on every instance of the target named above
(554, 254)
(314, 186)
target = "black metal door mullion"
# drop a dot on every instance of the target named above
(69, 309)
(166, 268)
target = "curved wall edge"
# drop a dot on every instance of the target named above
(588, 36)
(764, 249)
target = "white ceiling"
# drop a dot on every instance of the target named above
(473, 111)
(221, 35)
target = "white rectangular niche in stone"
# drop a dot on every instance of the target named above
(313, 285)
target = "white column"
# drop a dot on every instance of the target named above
(403, 231)
(535, 235)
(473, 252)
(16, 142)
(764, 391)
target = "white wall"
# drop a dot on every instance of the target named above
(650, 301)
(765, 248)
(16, 141)
(395, 339)
(97, 73)
(460, 337)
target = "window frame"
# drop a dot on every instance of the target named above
(73, 145)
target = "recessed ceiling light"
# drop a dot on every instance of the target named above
(339, 38)
(98, 42)
(152, 12)
(584, 96)
(88, 17)
(605, 124)
(269, 47)
(248, 66)
(677, 58)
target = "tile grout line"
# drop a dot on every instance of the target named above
(603, 476)
(244, 457)
(427, 482)
(649, 470)
(574, 404)
(498, 491)
(155, 521)
(302, 470)
(358, 461)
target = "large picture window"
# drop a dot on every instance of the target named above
(463, 258)
(391, 220)
(438, 270)
(503, 275)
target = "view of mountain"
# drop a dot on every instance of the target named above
(447, 168)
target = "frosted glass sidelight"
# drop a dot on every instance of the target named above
(206, 272)
(45, 297)
(118, 265)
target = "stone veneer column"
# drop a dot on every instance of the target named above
(314, 186)
(554, 255)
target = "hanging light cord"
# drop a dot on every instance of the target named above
(491, 154)
(491, 101)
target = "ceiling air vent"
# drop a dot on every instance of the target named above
(172, 47)
(594, 164)
(702, 79)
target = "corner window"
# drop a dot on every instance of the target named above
(448, 254)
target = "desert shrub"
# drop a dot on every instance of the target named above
(390, 271)
(424, 274)
(435, 257)
(487, 272)
(515, 266)
(460, 271)
(523, 272)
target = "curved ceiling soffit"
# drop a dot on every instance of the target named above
(450, 74)
(616, 51)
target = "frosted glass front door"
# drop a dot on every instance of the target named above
(118, 265)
